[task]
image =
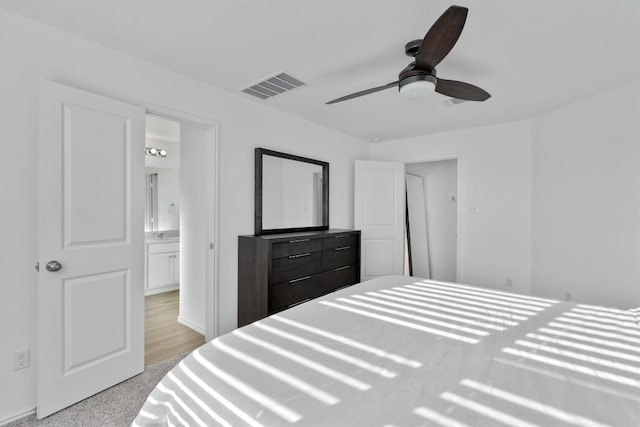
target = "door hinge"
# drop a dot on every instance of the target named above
(37, 267)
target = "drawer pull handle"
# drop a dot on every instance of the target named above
(299, 279)
(342, 268)
(299, 302)
(299, 240)
(344, 235)
(342, 248)
(299, 255)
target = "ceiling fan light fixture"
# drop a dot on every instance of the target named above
(418, 79)
(418, 86)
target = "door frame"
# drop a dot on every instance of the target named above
(212, 306)
(460, 196)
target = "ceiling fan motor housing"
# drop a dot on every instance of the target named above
(411, 48)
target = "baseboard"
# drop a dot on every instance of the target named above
(154, 291)
(17, 416)
(190, 325)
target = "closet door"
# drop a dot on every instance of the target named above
(379, 212)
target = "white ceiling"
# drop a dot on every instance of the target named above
(531, 55)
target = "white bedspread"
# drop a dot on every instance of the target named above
(402, 351)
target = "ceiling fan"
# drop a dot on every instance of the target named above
(419, 77)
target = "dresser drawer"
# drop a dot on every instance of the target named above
(279, 271)
(295, 266)
(295, 247)
(288, 294)
(339, 257)
(340, 240)
(339, 278)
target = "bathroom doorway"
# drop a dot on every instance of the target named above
(178, 235)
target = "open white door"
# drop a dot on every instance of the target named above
(91, 218)
(379, 213)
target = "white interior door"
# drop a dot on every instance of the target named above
(379, 212)
(91, 219)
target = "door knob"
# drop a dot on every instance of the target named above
(53, 266)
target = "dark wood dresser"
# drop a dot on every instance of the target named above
(278, 271)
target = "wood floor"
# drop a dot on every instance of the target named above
(164, 337)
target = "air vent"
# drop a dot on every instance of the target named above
(273, 86)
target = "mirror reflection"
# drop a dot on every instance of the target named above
(162, 211)
(292, 193)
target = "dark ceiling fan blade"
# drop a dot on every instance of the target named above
(364, 92)
(441, 38)
(461, 90)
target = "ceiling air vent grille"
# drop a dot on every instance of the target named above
(273, 86)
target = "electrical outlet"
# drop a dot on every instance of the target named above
(508, 282)
(567, 296)
(21, 359)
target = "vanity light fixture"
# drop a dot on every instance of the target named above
(152, 151)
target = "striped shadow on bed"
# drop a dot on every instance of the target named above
(399, 351)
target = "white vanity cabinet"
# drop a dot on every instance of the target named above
(163, 266)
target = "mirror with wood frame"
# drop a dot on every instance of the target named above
(291, 193)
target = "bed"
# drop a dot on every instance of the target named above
(402, 351)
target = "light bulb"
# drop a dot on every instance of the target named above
(418, 89)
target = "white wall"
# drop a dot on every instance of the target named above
(168, 199)
(194, 224)
(586, 199)
(558, 198)
(494, 172)
(440, 185)
(31, 52)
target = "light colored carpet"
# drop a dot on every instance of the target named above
(115, 407)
